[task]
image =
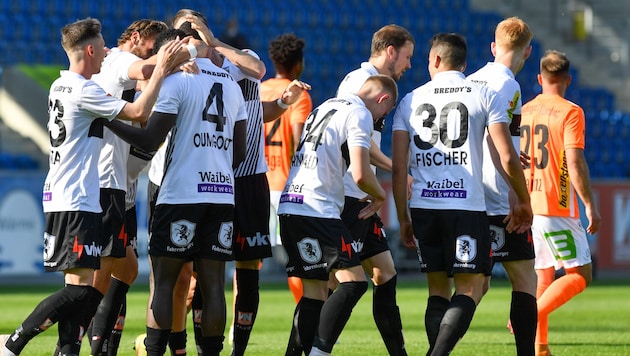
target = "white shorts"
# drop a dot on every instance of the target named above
(559, 242)
(274, 225)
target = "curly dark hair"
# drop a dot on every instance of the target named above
(286, 51)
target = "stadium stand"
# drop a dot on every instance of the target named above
(337, 35)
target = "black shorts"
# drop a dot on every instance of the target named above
(508, 246)
(316, 246)
(368, 234)
(251, 218)
(152, 195)
(131, 228)
(189, 231)
(454, 241)
(72, 239)
(114, 237)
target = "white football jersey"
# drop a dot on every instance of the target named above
(114, 79)
(198, 156)
(351, 84)
(500, 78)
(321, 159)
(446, 120)
(156, 167)
(255, 161)
(76, 139)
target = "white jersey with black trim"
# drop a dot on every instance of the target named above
(351, 84)
(114, 79)
(198, 156)
(255, 161)
(321, 160)
(500, 78)
(446, 120)
(76, 139)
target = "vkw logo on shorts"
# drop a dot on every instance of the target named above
(49, 245)
(309, 250)
(182, 232)
(225, 234)
(465, 248)
(497, 236)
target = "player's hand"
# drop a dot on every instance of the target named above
(594, 220)
(206, 34)
(520, 218)
(525, 160)
(372, 208)
(190, 67)
(406, 234)
(292, 92)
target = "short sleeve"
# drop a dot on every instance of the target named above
(301, 109)
(169, 99)
(401, 116)
(360, 125)
(574, 129)
(96, 101)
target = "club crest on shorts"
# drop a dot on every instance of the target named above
(49, 245)
(497, 236)
(309, 250)
(225, 234)
(465, 248)
(182, 232)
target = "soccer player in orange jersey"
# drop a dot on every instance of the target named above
(283, 134)
(552, 134)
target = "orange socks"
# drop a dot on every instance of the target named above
(295, 285)
(560, 292)
(555, 295)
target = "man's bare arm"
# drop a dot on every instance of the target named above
(580, 179)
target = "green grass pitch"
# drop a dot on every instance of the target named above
(596, 322)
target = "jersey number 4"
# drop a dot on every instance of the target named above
(216, 94)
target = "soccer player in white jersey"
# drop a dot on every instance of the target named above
(251, 214)
(392, 48)
(72, 239)
(317, 242)
(511, 47)
(251, 209)
(123, 66)
(193, 217)
(438, 130)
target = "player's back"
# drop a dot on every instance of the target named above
(446, 119)
(278, 133)
(551, 124)
(114, 79)
(315, 183)
(351, 84)
(76, 140)
(501, 79)
(198, 158)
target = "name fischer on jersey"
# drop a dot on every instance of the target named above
(428, 159)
